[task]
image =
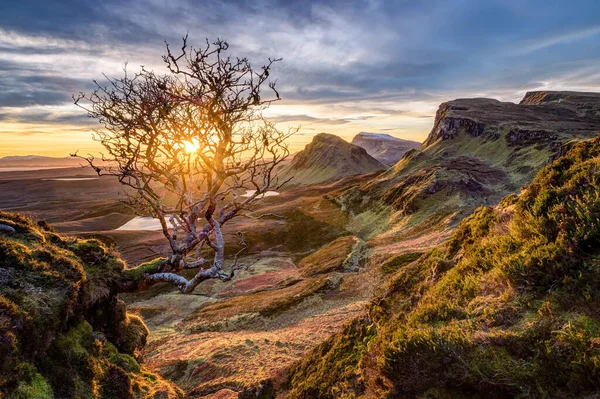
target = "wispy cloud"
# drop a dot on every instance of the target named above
(348, 65)
(555, 38)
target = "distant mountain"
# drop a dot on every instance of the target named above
(38, 161)
(478, 151)
(328, 158)
(383, 147)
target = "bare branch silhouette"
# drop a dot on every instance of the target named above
(188, 144)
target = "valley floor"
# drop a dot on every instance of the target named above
(313, 273)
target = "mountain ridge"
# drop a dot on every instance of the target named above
(478, 151)
(37, 160)
(328, 158)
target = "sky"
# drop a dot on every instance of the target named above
(348, 65)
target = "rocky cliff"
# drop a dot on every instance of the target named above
(570, 99)
(328, 158)
(383, 147)
(478, 151)
(541, 116)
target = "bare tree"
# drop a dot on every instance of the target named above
(189, 143)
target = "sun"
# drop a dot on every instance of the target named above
(191, 147)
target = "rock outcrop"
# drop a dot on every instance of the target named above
(544, 115)
(383, 147)
(573, 99)
(63, 331)
(328, 158)
(478, 151)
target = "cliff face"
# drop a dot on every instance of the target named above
(383, 147)
(63, 332)
(539, 114)
(328, 158)
(578, 100)
(478, 151)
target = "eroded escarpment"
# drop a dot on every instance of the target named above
(478, 151)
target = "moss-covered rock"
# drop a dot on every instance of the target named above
(132, 334)
(63, 333)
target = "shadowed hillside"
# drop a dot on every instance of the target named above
(506, 308)
(328, 158)
(63, 333)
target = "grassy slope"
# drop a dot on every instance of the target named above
(52, 290)
(507, 308)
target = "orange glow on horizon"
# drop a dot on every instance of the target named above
(60, 140)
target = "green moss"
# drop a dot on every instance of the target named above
(132, 334)
(472, 229)
(396, 262)
(116, 383)
(36, 388)
(126, 362)
(52, 290)
(74, 375)
(137, 273)
(331, 371)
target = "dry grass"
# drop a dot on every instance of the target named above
(328, 258)
(212, 363)
(265, 303)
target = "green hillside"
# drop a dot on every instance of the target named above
(63, 333)
(508, 307)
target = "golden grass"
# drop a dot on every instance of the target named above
(265, 303)
(328, 258)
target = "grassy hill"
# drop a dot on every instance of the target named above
(508, 307)
(63, 333)
(328, 158)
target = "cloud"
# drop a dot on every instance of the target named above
(556, 38)
(347, 64)
(36, 115)
(312, 119)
